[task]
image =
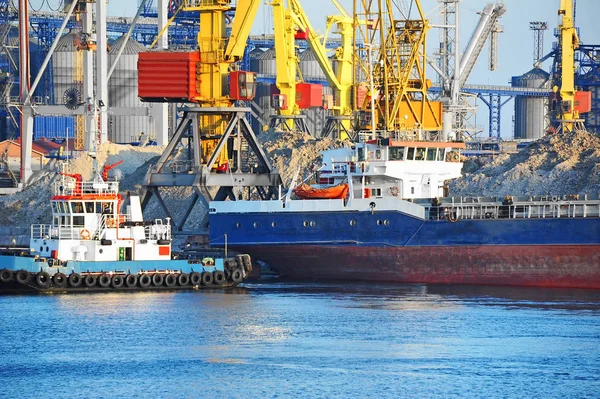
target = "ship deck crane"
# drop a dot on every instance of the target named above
(222, 148)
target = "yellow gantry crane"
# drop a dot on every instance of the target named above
(392, 54)
(570, 101)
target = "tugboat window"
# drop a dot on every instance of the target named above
(420, 154)
(411, 154)
(89, 207)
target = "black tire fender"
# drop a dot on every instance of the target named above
(75, 280)
(104, 280)
(237, 276)
(90, 280)
(131, 280)
(195, 278)
(207, 278)
(219, 277)
(183, 279)
(59, 280)
(158, 279)
(6, 276)
(171, 280)
(42, 279)
(145, 280)
(117, 281)
(23, 276)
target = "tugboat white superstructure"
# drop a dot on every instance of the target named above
(91, 245)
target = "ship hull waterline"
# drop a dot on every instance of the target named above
(568, 266)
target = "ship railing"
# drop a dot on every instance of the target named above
(455, 212)
(73, 187)
(47, 231)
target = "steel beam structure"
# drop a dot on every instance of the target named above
(248, 166)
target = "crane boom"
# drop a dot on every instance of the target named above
(569, 41)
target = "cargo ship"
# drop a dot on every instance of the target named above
(91, 246)
(398, 224)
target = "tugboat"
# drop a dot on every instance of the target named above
(91, 246)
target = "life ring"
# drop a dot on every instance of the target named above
(395, 191)
(85, 234)
(111, 222)
(453, 217)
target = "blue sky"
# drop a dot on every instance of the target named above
(515, 44)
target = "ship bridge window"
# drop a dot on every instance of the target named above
(62, 207)
(79, 221)
(440, 154)
(411, 154)
(77, 207)
(361, 154)
(54, 207)
(89, 207)
(431, 154)
(420, 155)
(378, 154)
(396, 153)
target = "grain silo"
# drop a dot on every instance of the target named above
(123, 92)
(264, 63)
(531, 112)
(310, 68)
(67, 65)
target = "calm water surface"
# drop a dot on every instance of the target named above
(287, 340)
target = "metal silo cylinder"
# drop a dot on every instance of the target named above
(309, 66)
(531, 113)
(255, 58)
(123, 92)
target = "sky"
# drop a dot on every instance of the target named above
(515, 43)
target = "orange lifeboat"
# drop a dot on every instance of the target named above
(306, 191)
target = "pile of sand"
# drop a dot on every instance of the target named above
(557, 165)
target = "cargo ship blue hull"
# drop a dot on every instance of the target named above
(395, 246)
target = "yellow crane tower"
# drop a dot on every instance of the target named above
(392, 54)
(342, 80)
(287, 69)
(570, 101)
(221, 138)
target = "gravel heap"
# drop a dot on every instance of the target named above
(557, 165)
